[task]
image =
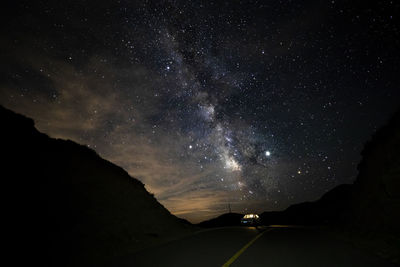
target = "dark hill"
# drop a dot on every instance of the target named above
(227, 219)
(376, 199)
(66, 206)
(330, 208)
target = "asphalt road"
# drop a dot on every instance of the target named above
(249, 246)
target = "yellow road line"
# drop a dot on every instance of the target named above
(234, 257)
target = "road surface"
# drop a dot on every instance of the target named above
(250, 246)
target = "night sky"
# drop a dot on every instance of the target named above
(260, 104)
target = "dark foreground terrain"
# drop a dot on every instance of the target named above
(273, 246)
(66, 206)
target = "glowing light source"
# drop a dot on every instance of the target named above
(267, 153)
(248, 216)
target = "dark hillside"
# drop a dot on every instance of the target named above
(376, 199)
(330, 208)
(227, 219)
(65, 205)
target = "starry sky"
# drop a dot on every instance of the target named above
(256, 104)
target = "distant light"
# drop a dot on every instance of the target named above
(190, 147)
(267, 153)
(299, 172)
(249, 216)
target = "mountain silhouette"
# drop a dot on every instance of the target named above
(330, 208)
(66, 206)
(227, 219)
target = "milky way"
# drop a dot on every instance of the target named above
(209, 103)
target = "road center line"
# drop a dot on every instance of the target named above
(234, 257)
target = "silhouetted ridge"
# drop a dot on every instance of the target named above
(68, 206)
(227, 219)
(329, 208)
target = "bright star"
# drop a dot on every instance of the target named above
(267, 153)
